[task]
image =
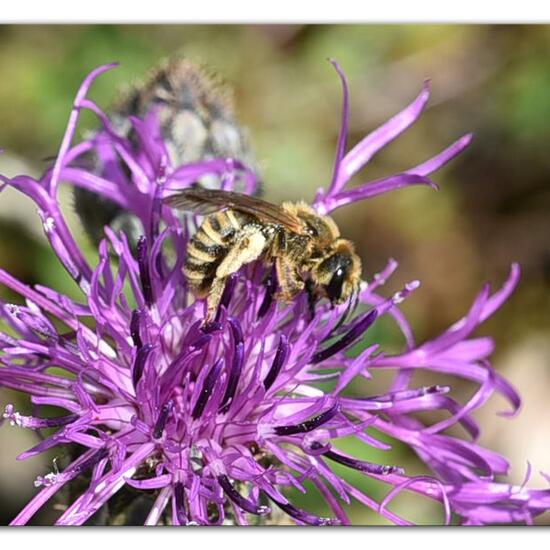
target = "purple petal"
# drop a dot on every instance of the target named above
(372, 189)
(343, 133)
(236, 366)
(361, 154)
(162, 418)
(150, 483)
(71, 125)
(279, 360)
(499, 297)
(308, 425)
(442, 158)
(239, 500)
(302, 516)
(355, 332)
(361, 465)
(207, 388)
(144, 272)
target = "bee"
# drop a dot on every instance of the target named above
(238, 229)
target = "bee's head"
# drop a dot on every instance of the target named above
(338, 273)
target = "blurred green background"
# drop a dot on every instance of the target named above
(493, 207)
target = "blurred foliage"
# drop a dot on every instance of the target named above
(494, 202)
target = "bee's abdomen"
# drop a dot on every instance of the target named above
(209, 246)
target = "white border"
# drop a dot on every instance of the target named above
(281, 11)
(272, 538)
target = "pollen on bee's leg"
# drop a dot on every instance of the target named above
(208, 320)
(214, 300)
(226, 295)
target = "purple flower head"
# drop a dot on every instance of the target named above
(216, 423)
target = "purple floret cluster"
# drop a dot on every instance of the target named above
(217, 422)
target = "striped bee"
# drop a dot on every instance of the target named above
(239, 229)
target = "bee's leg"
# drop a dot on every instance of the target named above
(247, 247)
(214, 298)
(288, 278)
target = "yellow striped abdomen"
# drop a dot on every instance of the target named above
(209, 246)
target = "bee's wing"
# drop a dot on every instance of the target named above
(207, 201)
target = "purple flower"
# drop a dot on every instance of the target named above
(217, 423)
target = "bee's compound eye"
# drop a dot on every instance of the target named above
(311, 229)
(334, 288)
